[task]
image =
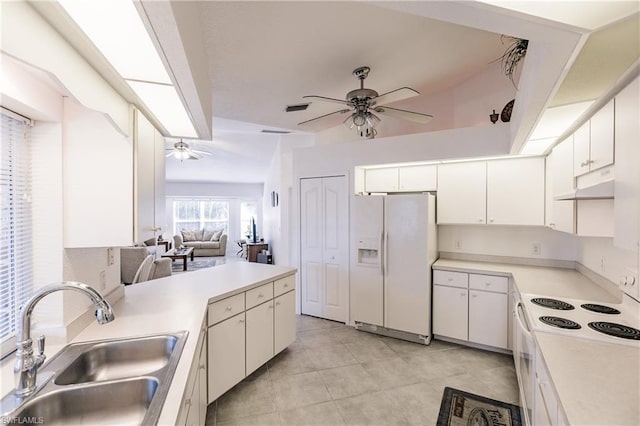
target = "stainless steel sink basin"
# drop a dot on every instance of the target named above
(123, 402)
(118, 359)
(116, 382)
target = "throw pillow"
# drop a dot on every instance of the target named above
(199, 233)
(188, 235)
(208, 234)
(217, 234)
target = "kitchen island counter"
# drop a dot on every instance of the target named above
(170, 304)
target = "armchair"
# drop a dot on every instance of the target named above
(132, 257)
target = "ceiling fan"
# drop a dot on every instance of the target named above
(362, 103)
(182, 151)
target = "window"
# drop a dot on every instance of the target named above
(248, 209)
(198, 214)
(16, 272)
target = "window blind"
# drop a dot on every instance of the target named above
(16, 272)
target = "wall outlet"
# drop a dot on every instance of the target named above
(535, 249)
(458, 245)
(110, 258)
(603, 264)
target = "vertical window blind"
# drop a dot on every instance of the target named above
(16, 272)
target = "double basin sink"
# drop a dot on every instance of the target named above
(120, 381)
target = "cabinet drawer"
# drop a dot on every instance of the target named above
(225, 308)
(259, 295)
(283, 285)
(489, 283)
(453, 279)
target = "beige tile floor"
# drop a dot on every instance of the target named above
(335, 375)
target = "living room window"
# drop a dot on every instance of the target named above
(16, 267)
(200, 213)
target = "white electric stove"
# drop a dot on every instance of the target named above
(605, 322)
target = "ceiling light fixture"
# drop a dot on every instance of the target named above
(133, 55)
(182, 151)
(364, 122)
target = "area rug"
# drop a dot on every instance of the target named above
(202, 263)
(459, 408)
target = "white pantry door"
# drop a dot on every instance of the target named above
(324, 276)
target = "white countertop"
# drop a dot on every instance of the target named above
(597, 383)
(173, 304)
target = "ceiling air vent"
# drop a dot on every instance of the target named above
(275, 132)
(298, 107)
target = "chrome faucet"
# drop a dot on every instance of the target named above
(27, 365)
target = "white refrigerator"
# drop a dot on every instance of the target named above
(395, 246)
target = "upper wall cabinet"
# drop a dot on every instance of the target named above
(515, 192)
(502, 192)
(627, 185)
(593, 142)
(462, 193)
(560, 214)
(401, 179)
(97, 179)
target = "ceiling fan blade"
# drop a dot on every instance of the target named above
(193, 155)
(325, 99)
(394, 96)
(416, 117)
(197, 151)
(324, 121)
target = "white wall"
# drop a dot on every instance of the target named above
(510, 241)
(599, 255)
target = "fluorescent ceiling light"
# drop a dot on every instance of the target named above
(554, 122)
(116, 29)
(165, 104)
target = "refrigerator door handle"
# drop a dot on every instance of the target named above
(384, 252)
(381, 252)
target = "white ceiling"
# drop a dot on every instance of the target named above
(258, 57)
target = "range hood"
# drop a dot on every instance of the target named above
(599, 191)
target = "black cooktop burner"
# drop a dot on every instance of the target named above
(553, 304)
(560, 322)
(616, 330)
(601, 309)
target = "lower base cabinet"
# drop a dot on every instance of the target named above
(226, 341)
(194, 406)
(246, 330)
(284, 327)
(259, 336)
(471, 307)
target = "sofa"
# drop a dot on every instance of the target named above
(131, 258)
(205, 242)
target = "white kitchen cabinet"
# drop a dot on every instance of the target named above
(515, 191)
(450, 312)
(381, 180)
(488, 315)
(560, 215)
(98, 180)
(594, 141)
(417, 178)
(194, 406)
(259, 336)
(627, 186)
(547, 409)
(245, 328)
(471, 307)
(284, 321)
(462, 193)
(226, 355)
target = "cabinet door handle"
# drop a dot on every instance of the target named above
(286, 285)
(490, 220)
(241, 321)
(187, 402)
(277, 303)
(487, 284)
(270, 306)
(449, 279)
(480, 220)
(260, 295)
(463, 294)
(551, 224)
(474, 295)
(229, 308)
